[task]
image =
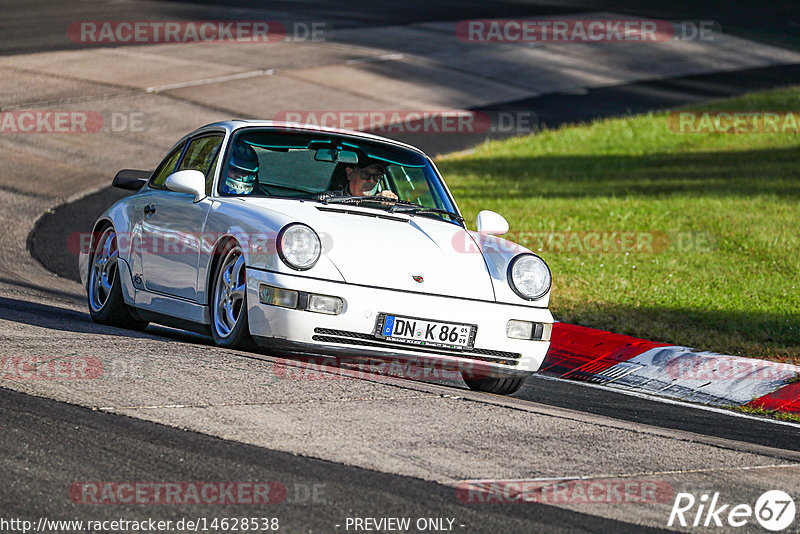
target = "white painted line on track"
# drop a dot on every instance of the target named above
(374, 59)
(257, 73)
(640, 474)
(207, 81)
(665, 400)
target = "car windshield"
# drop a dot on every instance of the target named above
(311, 165)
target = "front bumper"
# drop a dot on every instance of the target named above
(351, 334)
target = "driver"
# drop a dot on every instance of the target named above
(364, 180)
(242, 173)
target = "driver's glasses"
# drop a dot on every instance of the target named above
(371, 177)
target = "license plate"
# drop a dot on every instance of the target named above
(425, 332)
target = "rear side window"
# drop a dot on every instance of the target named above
(166, 168)
(201, 155)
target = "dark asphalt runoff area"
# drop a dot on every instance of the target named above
(38, 25)
(46, 446)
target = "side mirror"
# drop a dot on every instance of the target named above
(189, 181)
(131, 179)
(491, 223)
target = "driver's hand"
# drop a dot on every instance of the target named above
(388, 194)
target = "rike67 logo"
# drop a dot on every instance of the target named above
(774, 510)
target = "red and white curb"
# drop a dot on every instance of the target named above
(625, 362)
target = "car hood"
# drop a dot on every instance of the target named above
(411, 253)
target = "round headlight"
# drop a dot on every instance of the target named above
(299, 246)
(529, 276)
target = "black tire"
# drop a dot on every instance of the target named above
(227, 333)
(104, 288)
(496, 385)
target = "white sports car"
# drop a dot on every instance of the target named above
(314, 241)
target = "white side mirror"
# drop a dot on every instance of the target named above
(491, 223)
(189, 181)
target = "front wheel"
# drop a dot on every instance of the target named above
(104, 289)
(229, 302)
(497, 385)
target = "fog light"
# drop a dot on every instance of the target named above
(276, 296)
(325, 304)
(519, 329)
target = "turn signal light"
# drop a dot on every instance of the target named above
(300, 300)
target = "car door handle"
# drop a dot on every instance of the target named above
(149, 209)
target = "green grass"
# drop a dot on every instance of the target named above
(773, 414)
(738, 293)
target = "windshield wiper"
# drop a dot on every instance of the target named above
(412, 208)
(395, 205)
(356, 200)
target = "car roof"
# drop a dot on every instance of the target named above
(237, 124)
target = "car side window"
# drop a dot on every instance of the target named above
(166, 168)
(201, 155)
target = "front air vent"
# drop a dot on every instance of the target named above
(330, 335)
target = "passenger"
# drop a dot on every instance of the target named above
(242, 173)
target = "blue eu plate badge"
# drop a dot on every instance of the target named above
(388, 325)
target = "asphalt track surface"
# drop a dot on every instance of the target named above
(48, 445)
(64, 443)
